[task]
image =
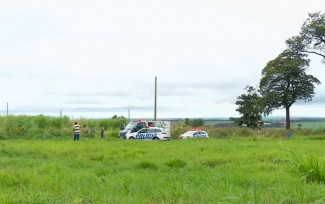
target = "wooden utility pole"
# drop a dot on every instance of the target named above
(155, 108)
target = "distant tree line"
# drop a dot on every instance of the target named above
(284, 79)
(194, 122)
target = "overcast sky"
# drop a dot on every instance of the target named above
(96, 58)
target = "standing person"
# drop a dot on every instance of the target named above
(92, 131)
(102, 130)
(76, 131)
(85, 131)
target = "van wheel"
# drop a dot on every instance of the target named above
(131, 138)
(156, 138)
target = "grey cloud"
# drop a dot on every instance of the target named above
(33, 109)
(139, 93)
(83, 102)
(99, 94)
(88, 110)
(111, 109)
(172, 89)
(317, 100)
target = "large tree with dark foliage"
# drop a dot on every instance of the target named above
(284, 81)
(312, 36)
(250, 109)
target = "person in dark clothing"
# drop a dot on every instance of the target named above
(102, 130)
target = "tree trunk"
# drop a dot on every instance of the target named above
(288, 118)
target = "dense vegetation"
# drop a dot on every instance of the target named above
(45, 127)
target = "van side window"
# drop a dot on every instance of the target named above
(151, 130)
(143, 131)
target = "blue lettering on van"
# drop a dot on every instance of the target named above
(144, 136)
(200, 136)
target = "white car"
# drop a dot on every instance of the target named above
(149, 133)
(194, 134)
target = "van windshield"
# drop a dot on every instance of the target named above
(131, 125)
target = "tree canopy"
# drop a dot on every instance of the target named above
(284, 81)
(312, 36)
(250, 109)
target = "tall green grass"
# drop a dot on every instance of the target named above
(46, 127)
(178, 171)
(310, 168)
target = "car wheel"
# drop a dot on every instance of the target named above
(156, 138)
(131, 138)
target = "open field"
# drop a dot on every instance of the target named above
(315, 125)
(309, 123)
(237, 170)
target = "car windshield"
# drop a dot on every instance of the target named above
(189, 132)
(131, 125)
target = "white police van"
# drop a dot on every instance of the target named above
(149, 133)
(137, 125)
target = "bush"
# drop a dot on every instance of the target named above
(41, 121)
(59, 122)
(176, 163)
(310, 168)
(112, 134)
(147, 165)
(14, 127)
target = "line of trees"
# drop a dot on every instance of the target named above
(194, 123)
(284, 79)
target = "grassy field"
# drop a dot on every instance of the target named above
(309, 124)
(237, 170)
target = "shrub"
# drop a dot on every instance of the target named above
(309, 168)
(58, 122)
(214, 162)
(112, 134)
(176, 163)
(318, 137)
(178, 129)
(246, 132)
(147, 165)
(14, 127)
(41, 121)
